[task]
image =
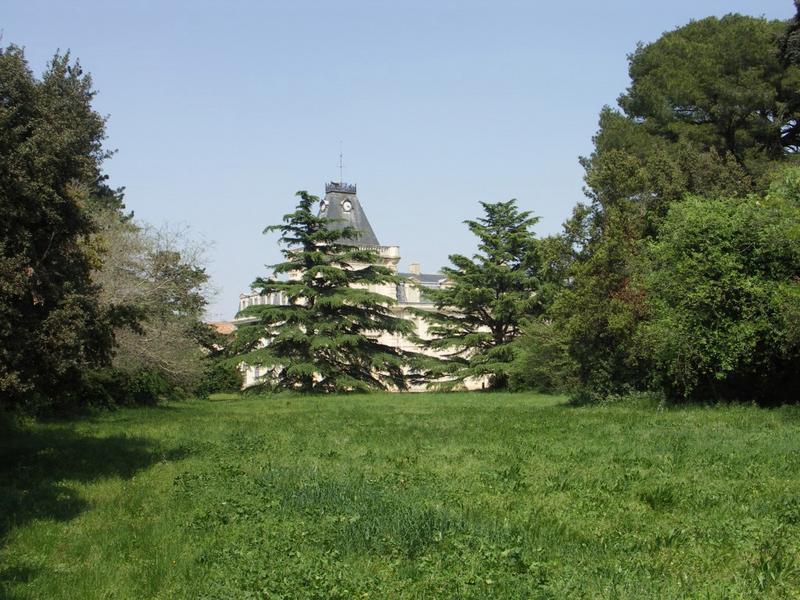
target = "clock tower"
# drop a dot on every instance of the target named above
(341, 203)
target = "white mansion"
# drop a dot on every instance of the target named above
(341, 203)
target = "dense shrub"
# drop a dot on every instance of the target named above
(114, 387)
(542, 361)
(723, 284)
(220, 377)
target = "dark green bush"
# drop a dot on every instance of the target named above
(219, 377)
(106, 388)
(722, 284)
(542, 361)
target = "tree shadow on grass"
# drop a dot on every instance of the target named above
(40, 465)
(15, 574)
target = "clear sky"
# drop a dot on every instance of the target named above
(222, 110)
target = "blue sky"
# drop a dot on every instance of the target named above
(221, 111)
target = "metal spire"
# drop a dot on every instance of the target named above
(341, 166)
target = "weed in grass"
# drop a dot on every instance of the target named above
(773, 564)
(788, 510)
(659, 497)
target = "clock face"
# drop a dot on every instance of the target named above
(323, 205)
(346, 205)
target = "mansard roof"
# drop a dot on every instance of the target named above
(341, 203)
(425, 279)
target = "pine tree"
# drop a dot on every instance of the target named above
(487, 299)
(324, 337)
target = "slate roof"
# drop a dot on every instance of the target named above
(333, 207)
(425, 279)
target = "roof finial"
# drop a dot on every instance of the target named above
(341, 166)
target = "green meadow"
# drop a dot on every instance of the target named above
(403, 496)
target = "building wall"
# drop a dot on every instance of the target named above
(412, 297)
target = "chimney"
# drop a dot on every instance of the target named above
(413, 268)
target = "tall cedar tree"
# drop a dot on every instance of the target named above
(324, 339)
(52, 327)
(487, 300)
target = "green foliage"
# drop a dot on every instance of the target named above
(488, 298)
(718, 84)
(722, 282)
(325, 338)
(599, 310)
(52, 326)
(423, 496)
(632, 165)
(711, 111)
(111, 387)
(219, 377)
(93, 307)
(157, 275)
(543, 362)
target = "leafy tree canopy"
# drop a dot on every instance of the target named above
(157, 277)
(711, 107)
(52, 327)
(711, 111)
(721, 84)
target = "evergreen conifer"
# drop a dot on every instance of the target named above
(324, 336)
(487, 299)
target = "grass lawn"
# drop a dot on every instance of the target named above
(403, 496)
